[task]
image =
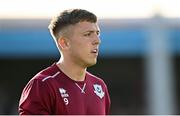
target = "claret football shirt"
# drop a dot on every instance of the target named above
(52, 92)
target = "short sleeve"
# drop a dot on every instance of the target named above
(35, 99)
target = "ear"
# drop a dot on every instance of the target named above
(63, 42)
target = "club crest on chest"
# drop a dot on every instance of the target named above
(98, 90)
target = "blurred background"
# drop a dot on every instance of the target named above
(139, 54)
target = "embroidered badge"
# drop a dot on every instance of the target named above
(98, 90)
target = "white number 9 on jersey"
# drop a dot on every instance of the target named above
(66, 101)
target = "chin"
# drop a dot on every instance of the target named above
(91, 63)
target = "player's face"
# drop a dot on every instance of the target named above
(84, 43)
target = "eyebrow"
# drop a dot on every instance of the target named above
(91, 31)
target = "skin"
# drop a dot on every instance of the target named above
(79, 49)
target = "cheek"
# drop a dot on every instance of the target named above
(80, 46)
(80, 50)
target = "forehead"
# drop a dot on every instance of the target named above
(86, 26)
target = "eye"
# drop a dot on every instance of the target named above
(87, 34)
(98, 33)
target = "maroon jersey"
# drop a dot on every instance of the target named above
(52, 92)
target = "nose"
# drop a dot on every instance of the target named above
(97, 40)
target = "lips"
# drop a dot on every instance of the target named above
(95, 51)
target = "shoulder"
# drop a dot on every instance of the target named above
(47, 74)
(95, 79)
(42, 81)
(33, 93)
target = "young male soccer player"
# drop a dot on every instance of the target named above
(66, 87)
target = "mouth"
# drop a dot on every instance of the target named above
(95, 51)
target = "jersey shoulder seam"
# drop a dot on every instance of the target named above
(50, 76)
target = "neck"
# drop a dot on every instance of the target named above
(72, 70)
